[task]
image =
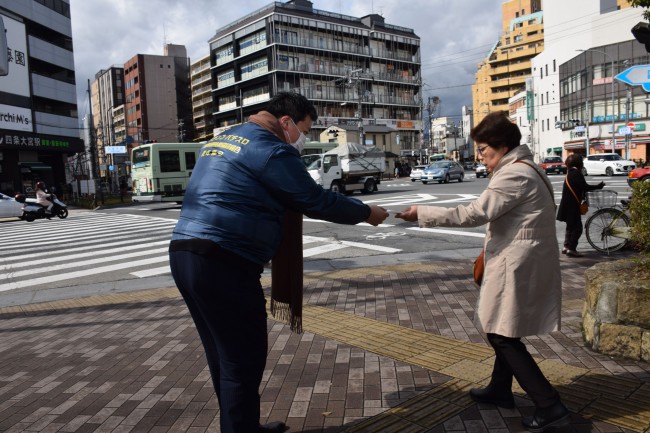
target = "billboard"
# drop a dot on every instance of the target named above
(16, 82)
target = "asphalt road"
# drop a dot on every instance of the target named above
(124, 248)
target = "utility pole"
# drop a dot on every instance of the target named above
(92, 146)
(352, 80)
(181, 133)
(628, 96)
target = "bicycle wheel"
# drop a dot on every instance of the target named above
(608, 230)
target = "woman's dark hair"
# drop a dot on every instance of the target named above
(497, 130)
(574, 160)
(293, 105)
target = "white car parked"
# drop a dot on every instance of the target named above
(416, 172)
(607, 163)
(9, 207)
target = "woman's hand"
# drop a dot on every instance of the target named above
(410, 214)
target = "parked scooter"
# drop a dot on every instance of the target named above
(33, 211)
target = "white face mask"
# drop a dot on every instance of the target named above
(299, 144)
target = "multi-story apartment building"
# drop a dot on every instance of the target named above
(39, 124)
(355, 70)
(107, 93)
(504, 71)
(201, 84)
(576, 98)
(157, 97)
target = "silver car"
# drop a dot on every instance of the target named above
(443, 171)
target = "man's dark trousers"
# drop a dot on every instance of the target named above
(228, 308)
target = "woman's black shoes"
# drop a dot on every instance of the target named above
(554, 416)
(274, 427)
(487, 395)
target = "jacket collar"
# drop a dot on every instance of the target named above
(519, 152)
(269, 122)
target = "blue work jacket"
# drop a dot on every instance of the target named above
(243, 181)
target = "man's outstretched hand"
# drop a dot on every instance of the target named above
(377, 215)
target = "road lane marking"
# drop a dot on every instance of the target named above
(448, 232)
(62, 258)
(152, 272)
(78, 274)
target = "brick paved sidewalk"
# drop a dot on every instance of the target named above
(388, 348)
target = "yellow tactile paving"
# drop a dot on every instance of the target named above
(619, 401)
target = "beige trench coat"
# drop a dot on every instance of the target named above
(521, 293)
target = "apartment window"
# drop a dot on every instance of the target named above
(546, 69)
(254, 68)
(518, 38)
(547, 100)
(224, 55)
(542, 98)
(554, 66)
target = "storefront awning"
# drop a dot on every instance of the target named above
(548, 150)
(26, 167)
(557, 149)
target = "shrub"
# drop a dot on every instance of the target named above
(640, 216)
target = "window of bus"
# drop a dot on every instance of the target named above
(140, 157)
(190, 160)
(169, 161)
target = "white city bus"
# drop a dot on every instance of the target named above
(161, 171)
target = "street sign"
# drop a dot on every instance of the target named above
(631, 125)
(636, 76)
(624, 130)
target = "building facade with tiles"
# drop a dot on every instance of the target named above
(39, 125)
(354, 70)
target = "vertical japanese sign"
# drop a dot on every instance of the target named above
(16, 82)
(530, 100)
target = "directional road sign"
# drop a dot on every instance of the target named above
(636, 76)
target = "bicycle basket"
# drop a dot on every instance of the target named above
(602, 198)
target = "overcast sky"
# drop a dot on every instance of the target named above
(455, 35)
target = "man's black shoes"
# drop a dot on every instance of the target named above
(274, 427)
(487, 395)
(553, 416)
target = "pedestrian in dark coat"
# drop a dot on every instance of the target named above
(569, 210)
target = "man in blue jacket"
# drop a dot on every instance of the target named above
(235, 213)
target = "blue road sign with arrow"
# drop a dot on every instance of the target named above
(636, 76)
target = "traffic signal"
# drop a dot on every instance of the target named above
(641, 32)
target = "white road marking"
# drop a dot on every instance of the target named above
(322, 249)
(152, 272)
(448, 232)
(79, 274)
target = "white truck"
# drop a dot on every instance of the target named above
(347, 168)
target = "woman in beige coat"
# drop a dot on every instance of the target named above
(521, 290)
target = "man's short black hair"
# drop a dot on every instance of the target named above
(293, 105)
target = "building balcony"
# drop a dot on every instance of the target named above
(512, 68)
(201, 103)
(347, 47)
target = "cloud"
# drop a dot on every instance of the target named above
(455, 34)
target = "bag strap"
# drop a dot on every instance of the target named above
(540, 176)
(566, 180)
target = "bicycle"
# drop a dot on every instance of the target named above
(608, 229)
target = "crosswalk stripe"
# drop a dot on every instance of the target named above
(152, 272)
(448, 232)
(38, 245)
(309, 252)
(106, 252)
(78, 274)
(86, 248)
(103, 259)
